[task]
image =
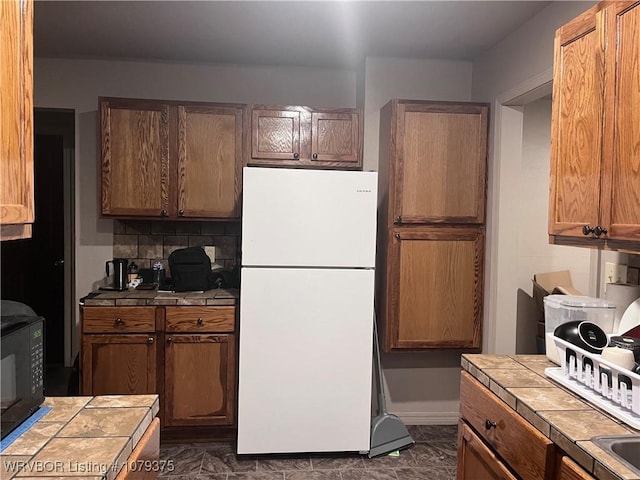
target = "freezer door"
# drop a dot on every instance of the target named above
(308, 218)
(305, 360)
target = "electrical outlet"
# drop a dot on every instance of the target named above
(615, 273)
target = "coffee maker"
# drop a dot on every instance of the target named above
(119, 273)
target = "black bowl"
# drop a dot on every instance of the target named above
(586, 335)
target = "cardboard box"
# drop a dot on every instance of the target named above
(552, 282)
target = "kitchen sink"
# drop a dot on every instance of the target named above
(625, 448)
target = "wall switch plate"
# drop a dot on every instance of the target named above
(614, 273)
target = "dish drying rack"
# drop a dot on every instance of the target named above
(612, 388)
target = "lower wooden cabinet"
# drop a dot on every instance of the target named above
(119, 364)
(476, 461)
(527, 452)
(494, 441)
(199, 379)
(186, 354)
(431, 287)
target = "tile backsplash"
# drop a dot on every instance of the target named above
(146, 242)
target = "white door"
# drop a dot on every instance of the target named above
(305, 360)
(308, 217)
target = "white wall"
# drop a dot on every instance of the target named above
(76, 84)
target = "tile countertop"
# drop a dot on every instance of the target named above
(560, 415)
(103, 298)
(80, 438)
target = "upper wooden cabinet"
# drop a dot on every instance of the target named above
(595, 155)
(298, 136)
(16, 119)
(432, 183)
(437, 162)
(171, 159)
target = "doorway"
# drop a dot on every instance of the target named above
(39, 271)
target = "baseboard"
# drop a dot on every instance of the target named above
(429, 418)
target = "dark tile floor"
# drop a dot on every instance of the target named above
(433, 457)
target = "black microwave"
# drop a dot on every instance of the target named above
(22, 369)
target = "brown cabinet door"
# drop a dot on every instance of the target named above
(299, 136)
(209, 160)
(621, 185)
(570, 470)
(335, 137)
(135, 158)
(527, 451)
(16, 119)
(199, 379)
(276, 135)
(119, 364)
(439, 163)
(434, 288)
(577, 125)
(476, 461)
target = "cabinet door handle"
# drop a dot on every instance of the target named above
(586, 230)
(398, 219)
(164, 213)
(488, 424)
(181, 212)
(119, 322)
(199, 321)
(315, 156)
(398, 236)
(296, 155)
(150, 340)
(599, 231)
(169, 339)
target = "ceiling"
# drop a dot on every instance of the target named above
(336, 34)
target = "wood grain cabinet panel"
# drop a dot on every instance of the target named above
(200, 319)
(621, 189)
(439, 175)
(135, 157)
(119, 320)
(527, 452)
(595, 157)
(209, 161)
(569, 470)
(164, 159)
(299, 136)
(577, 125)
(199, 379)
(16, 119)
(119, 364)
(476, 461)
(435, 288)
(432, 188)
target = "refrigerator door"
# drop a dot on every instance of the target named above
(306, 340)
(308, 218)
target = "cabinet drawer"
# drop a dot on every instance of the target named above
(527, 451)
(118, 319)
(201, 319)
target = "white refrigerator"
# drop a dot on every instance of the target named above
(306, 310)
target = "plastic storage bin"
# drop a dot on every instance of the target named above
(559, 309)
